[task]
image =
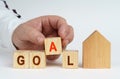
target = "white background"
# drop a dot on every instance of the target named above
(85, 16)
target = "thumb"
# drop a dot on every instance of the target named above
(34, 36)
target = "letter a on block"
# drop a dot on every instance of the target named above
(21, 59)
(37, 59)
(53, 46)
(70, 59)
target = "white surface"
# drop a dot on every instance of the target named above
(53, 71)
(85, 16)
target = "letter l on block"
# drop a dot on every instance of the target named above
(70, 59)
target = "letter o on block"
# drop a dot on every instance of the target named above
(37, 59)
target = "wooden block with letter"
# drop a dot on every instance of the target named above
(37, 59)
(53, 46)
(21, 59)
(96, 51)
(70, 59)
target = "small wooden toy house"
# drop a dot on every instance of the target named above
(96, 51)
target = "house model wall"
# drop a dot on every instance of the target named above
(96, 51)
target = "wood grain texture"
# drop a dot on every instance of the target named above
(21, 59)
(37, 59)
(70, 59)
(53, 46)
(96, 51)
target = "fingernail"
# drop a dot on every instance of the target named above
(39, 39)
(63, 33)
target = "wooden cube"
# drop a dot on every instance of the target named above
(21, 59)
(70, 59)
(96, 51)
(53, 46)
(37, 59)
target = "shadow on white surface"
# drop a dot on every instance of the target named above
(53, 70)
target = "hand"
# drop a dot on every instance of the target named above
(31, 34)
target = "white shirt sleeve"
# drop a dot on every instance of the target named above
(8, 23)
